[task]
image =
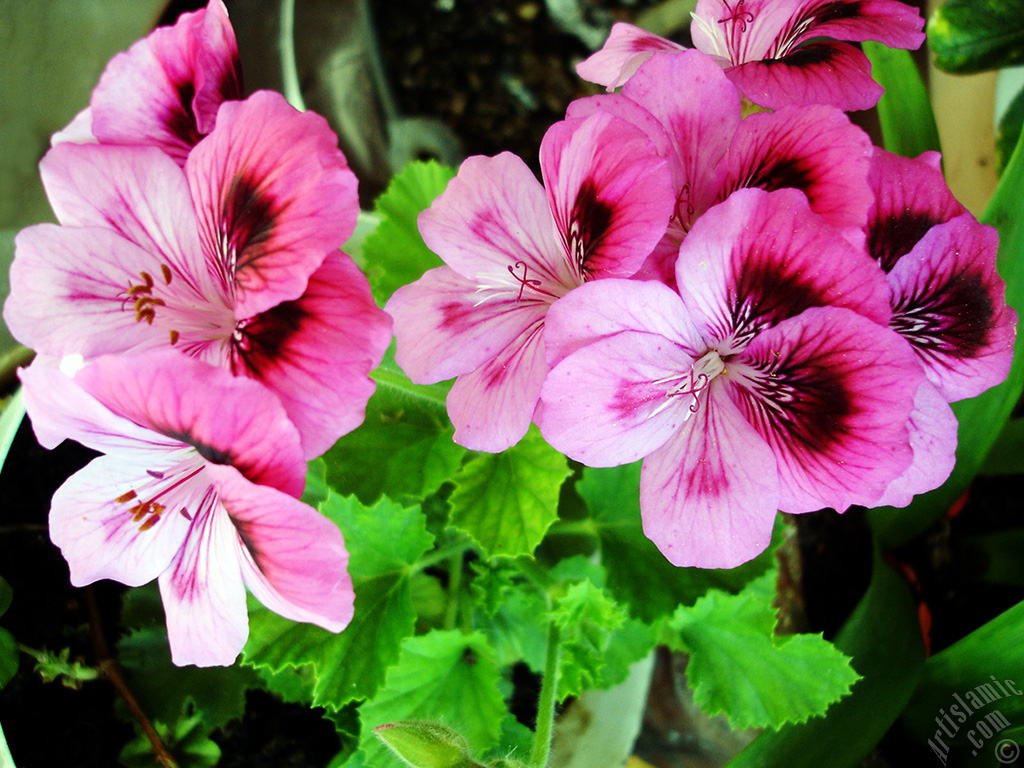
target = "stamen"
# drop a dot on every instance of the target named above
(166, 272)
(149, 523)
(154, 473)
(125, 497)
(743, 17)
(185, 513)
(149, 280)
(691, 383)
(174, 337)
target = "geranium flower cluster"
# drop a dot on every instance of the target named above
(221, 337)
(767, 310)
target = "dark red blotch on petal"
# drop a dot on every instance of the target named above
(890, 238)
(767, 293)
(838, 10)
(589, 222)
(952, 319)
(248, 216)
(260, 343)
(182, 123)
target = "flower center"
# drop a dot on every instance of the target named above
(691, 383)
(144, 302)
(148, 512)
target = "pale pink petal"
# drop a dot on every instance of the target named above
(701, 119)
(816, 150)
(293, 558)
(761, 257)
(316, 353)
(911, 197)
(138, 192)
(228, 420)
(165, 90)
(122, 519)
(610, 194)
(203, 593)
(933, 439)
(708, 497)
(495, 215)
(626, 48)
(605, 307)
(612, 402)
(78, 131)
(492, 406)
(821, 73)
(948, 302)
(734, 32)
(831, 392)
(447, 325)
(274, 196)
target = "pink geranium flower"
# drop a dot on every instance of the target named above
(773, 49)
(166, 89)
(768, 381)
(512, 248)
(196, 490)
(232, 259)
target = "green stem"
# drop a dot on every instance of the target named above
(451, 615)
(289, 69)
(430, 394)
(442, 554)
(6, 759)
(548, 700)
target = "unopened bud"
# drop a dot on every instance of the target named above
(423, 744)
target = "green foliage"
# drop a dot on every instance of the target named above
(395, 253)
(447, 677)
(904, 111)
(974, 35)
(883, 638)
(9, 653)
(58, 665)
(506, 501)
(638, 574)
(1008, 131)
(423, 744)
(186, 740)
(740, 668)
(404, 447)
(384, 542)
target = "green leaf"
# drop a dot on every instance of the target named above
(6, 595)
(974, 670)
(638, 574)
(997, 555)
(9, 657)
(1008, 131)
(586, 617)
(163, 689)
(740, 668)
(448, 677)
(904, 111)
(186, 740)
(395, 253)
(974, 35)
(507, 610)
(883, 638)
(985, 415)
(506, 501)
(316, 483)
(384, 541)
(403, 449)
(423, 744)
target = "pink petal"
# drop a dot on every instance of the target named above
(228, 420)
(274, 195)
(933, 439)
(948, 302)
(708, 497)
(446, 326)
(626, 48)
(78, 131)
(701, 119)
(831, 392)
(889, 22)
(821, 73)
(493, 216)
(761, 257)
(608, 403)
(609, 191)
(816, 150)
(316, 353)
(605, 307)
(293, 558)
(104, 529)
(911, 197)
(165, 90)
(492, 406)
(203, 594)
(734, 33)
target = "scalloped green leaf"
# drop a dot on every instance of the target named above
(395, 254)
(384, 542)
(443, 676)
(974, 35)
(739, 668)
(506, 501)
(904, 111)
(638, 575)
(10, 657)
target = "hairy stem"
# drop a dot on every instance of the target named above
(548, 700)
(289, 69)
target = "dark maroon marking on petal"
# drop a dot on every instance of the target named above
(838, 10)
(806, 402)
(781, 174)
(808, 56)
(890, 238)
(182, 122)
(248, 216)
(765, 294)
(259, 344)
(208, 452)
(953, 319)
(589, 222)
(245, 536)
